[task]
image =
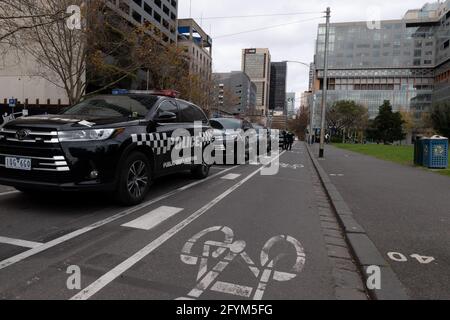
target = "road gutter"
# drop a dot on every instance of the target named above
(362, 248)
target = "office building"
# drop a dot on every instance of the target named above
(19, 74)
(278, 82)
(404, 61)
(290, 104)
(161, 14)
(198, 47)
(434, 18)
(256, 64)
(234, 93)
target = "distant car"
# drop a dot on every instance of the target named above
(228, 133)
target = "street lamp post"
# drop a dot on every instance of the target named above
(325, 86)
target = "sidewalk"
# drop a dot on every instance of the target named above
(405, 212)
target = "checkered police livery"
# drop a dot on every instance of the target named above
(161, 143)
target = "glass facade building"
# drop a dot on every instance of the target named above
(399, 61)
(278, 79)
(256, 64)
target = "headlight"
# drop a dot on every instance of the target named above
(86, 135)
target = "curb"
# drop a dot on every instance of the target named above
(363, 249)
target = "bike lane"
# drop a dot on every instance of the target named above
(262, 241)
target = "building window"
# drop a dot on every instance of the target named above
(137, 16)
(148, 9)
(157, 16)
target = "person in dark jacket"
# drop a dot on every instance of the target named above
(290, 140)
(284, 138)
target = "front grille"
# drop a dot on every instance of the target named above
(41, 146)
(39, 136)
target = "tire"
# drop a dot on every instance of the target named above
(134, 180)
(200, 171)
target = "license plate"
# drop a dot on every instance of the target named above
(18, 163)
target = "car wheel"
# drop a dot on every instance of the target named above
(200, 171)
(135, 179)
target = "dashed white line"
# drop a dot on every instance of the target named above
(153, 218)
(24, 255)
(110, 276)
(231, 176)
(20, 243)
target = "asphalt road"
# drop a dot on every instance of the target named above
(263, 238)
(406, 213)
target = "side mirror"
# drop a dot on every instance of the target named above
(166, 117)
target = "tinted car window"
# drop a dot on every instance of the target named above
(168, 106)
(191, 113)
(112, 106)
(229, 124)
(216, 125)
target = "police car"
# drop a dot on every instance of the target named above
(117, 143)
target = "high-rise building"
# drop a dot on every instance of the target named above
(290, 104)
(256, 64)
(434, 19)
(161, 14)
(234, 93)
(198, 47)
(312, 72)
(19, 78)
(278, 82)
(404, 61)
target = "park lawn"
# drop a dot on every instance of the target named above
(399, 154)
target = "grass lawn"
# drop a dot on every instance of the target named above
(400, 154)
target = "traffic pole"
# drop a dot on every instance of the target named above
(325, 86)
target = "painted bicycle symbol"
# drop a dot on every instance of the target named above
(291, 166)
(226, 252)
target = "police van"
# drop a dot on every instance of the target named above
(117, 143)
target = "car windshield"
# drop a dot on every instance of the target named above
(226, 124)
(114, 106)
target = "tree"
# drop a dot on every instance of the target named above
(15, 17)
(66, 57)
(440, 117)
(107, 51)
(388, 125)
(347, 117)
(300, 124)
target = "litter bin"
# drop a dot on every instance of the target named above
(418, 151)
(435, 152)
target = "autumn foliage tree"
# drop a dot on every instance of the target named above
(108, 51)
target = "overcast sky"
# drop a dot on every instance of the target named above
(291, 42)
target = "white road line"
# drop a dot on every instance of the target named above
(110, 276)
(233, 289)
(231, 176)
(153, 218)
(24, 255)
(20, 243)
(7, 193)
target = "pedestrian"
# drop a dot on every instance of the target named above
(327, 138)
(285, 140)
(290, 141)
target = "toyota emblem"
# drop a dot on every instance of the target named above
(22, 134)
